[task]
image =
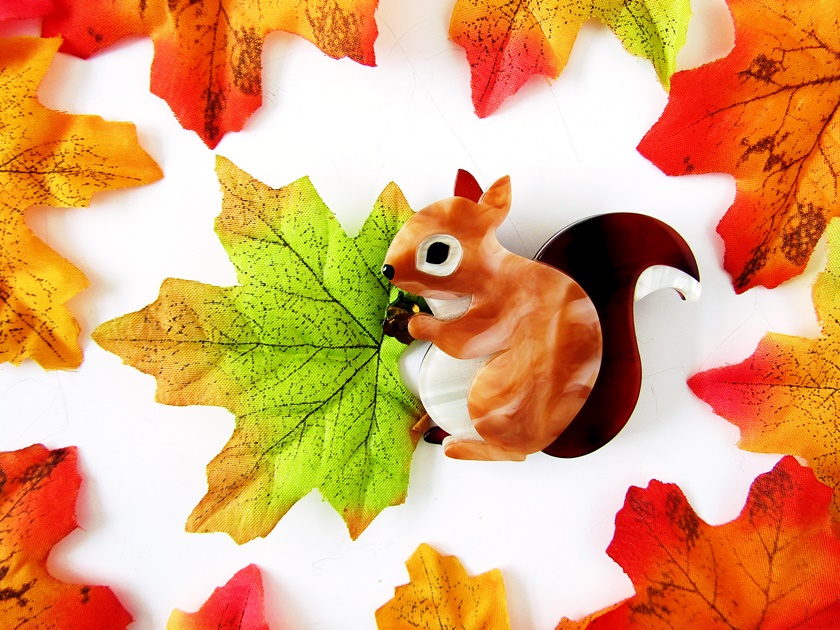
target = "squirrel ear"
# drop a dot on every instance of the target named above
(467, 186)
(498, 198)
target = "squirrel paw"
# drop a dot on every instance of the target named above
(478, 450)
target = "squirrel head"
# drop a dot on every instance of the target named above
(447, 249)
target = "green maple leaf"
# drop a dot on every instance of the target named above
(295, 351)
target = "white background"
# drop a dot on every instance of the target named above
(570, 147)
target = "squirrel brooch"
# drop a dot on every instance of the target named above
(530, 355)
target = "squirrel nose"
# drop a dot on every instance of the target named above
(388, 271)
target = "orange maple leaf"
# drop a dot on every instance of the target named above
(54, 159)
(784, 396)
(441, 596)
(777, 565)
(208, 53)
(236, 605)
(583, 623)
(38, 493)
(767, 114)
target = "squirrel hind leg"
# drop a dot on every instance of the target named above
(460, 448)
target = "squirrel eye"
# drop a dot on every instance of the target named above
(439, 255)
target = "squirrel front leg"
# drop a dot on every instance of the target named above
(460, 338)
(424, 327)
(439, 332)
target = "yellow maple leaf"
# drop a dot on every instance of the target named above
(441, 596)
(49, 158)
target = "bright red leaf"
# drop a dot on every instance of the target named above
(776, 566)
(208, 53)
(238, 605)
(22, 9)
(38, 490)
(767, 114)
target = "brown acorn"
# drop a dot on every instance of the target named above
(396, 319)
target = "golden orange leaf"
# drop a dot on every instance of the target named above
(49, 158)
(441, 596)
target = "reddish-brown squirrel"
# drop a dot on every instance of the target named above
(538, 342)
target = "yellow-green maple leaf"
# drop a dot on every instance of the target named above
(295, 351)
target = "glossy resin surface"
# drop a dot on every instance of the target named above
(529, 330)
(617, 258)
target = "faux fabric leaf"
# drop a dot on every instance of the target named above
(441, 596)
(296, 352)
(784, 396)
(54, 159)
(509, 41)
(767, 114)
(38, 490)
(208, 53)
(22, 9)
(583, 623)
(775, 566)
(238, 605)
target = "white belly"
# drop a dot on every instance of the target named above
(443, 384)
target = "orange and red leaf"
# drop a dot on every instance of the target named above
(238, 605)
(509, 41)
(777, 565)
(784, 396)
(38, 491)
(208, 54)
(766, 114)
(23, 9)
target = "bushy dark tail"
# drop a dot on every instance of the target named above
(606, 255)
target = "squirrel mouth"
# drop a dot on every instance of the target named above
(449, 309)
